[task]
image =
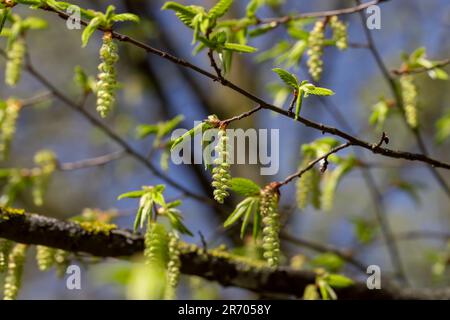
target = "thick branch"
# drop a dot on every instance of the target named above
(35, 229)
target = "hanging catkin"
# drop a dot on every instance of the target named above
(107, 83)
(409, 93)
(221, 172)
(9, 115)
(16, 55)
(173, 267)
(271, 225)
(13, 277)
(304, 185)
(156, 242)
(316, 43)
(339, 33)
(45, 257)
(5, 249)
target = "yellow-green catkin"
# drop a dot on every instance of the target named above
(304, 185)
(61, 261)
(221, 172)
(45, 257)
(13, 277)
(156, 242)
(316, 43)
(339, 33)
(409, 93)
(106, 82)
(47, 162)
(271, 225)
(10, 114)
(173, 267)
(5, 249)
(16, 56)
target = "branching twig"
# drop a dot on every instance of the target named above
(403, 71)
(313, 163)
(265, 105)
(212, 265)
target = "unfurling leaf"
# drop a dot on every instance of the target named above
(244, 187)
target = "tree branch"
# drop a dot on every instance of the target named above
(265, 105)
(213, 265)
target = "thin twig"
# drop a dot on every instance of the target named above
(311, 164)
(403, 71)
(265, 105)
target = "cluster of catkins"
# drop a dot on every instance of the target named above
(48, 257)
(106, 82)
(339, 33)
(316, 43)
(13, 278)
(271, 225)
(409, 93)
(16, 56)
(162, 251)
(9, 113)
(221, 172)
(173, 266)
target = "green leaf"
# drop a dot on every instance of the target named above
(220, 8)
(419, 53)
(89, 30)
(318, 91)
(443, 128)
(438, 74)
(34, 23)
(184, 13)
(247, 216)
(239, 48)
(144, 130)
(191, 133)
(288, 78)
(176, 221)
(329, 261)
(238, 212)
(121, 17)
(244, 187)
(132, 194)
(3, 16)
(338, 281)
(332, 180)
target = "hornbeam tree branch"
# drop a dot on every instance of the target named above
(265, 105)
(212, 265)
(320, 14)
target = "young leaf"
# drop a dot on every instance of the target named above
(131, 194)
(239, 48)
(220, 8)
(338, 281)
(125, 17)
(191, 133)
(247, 216)
(238, 212)
(244, 187)
(176, 220)
(89, 30)
(288, 78)
(318, 91)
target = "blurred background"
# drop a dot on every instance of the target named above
(154, 90)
